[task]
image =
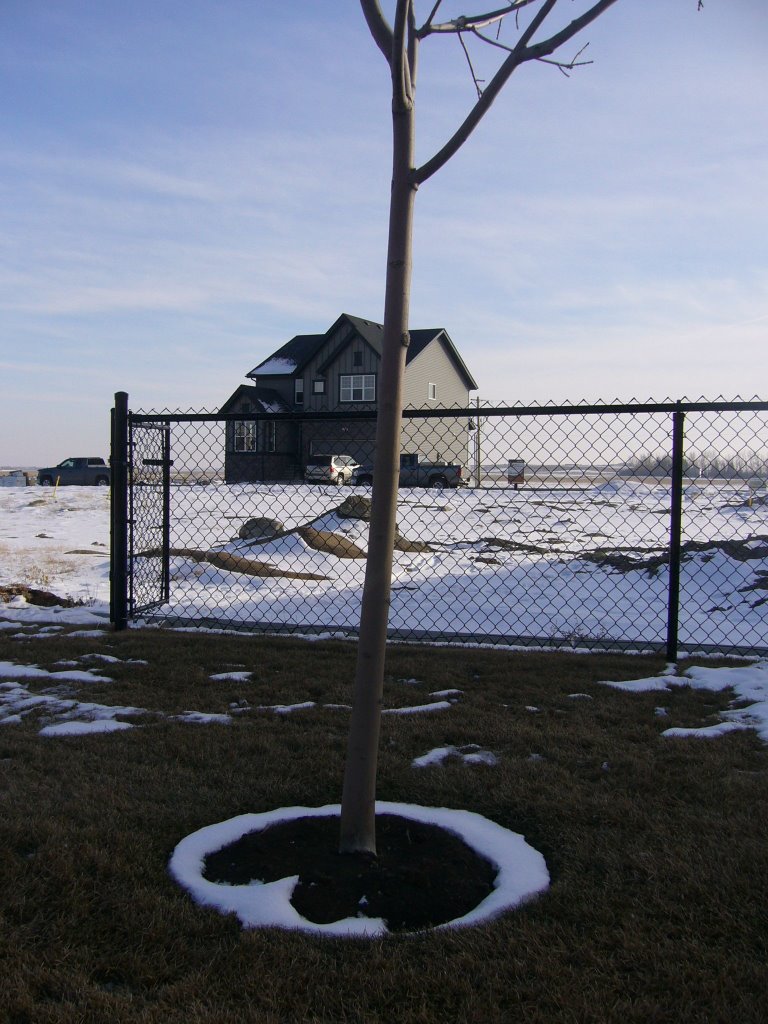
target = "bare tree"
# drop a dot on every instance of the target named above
(399, 43)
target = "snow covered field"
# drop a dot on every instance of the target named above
(557, 564)
(60, 543)
(500, 565)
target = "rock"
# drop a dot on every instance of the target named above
(356, 506)
(251, 567)
(42, 598)
(413, 546)
(260, 529)
(330, 543)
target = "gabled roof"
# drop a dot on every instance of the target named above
(261, 399)
(295, 354)
(420, 340)
(290, 358)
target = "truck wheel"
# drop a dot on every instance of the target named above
(46, 481)
(339, 479)
(438, 483)
(101, 481)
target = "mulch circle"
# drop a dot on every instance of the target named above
(422, 876)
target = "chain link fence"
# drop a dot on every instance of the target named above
(610, 527)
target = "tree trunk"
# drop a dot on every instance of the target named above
(358, 803)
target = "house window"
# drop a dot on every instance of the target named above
(357, 358)
(318, 387)
(357, 387)
(298, 391)
(245, 436)
(432, 392)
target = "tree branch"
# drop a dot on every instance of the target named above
(425, 27)
(413, 47)
(467, 21)
(402, 92)
(475, 79)
(520, 54)
(557, 40)
(379, 27)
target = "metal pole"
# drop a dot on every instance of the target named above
(166, 545)
(675, 533)
(118, 562)
(478, 448)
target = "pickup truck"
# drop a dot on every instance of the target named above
(76, 471)
(416, 472)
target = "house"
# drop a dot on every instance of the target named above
(319, 375)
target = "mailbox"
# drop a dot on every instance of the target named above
(515, 472)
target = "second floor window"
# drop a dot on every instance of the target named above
(432, 392)
(357, 387)
(298, 391)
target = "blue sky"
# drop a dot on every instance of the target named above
(186, 185)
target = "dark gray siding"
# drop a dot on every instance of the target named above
(263, 463)
(336, 358)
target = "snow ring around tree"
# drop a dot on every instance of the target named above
(521, 870)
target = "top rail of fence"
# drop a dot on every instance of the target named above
(754, 405)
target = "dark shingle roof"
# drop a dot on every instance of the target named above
(294, 355)
(261, 399)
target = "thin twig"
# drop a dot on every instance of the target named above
(475, 79)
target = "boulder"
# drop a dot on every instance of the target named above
(260, 529)
(330, 543)
(413, 546)
(356, 506)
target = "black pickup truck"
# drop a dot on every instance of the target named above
(76, 471)
(416, 472)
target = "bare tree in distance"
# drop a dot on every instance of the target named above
(399, 43)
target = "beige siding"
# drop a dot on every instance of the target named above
(446, 439)
(433, 366)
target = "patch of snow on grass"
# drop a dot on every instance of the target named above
(9, 670)
(707, 732)
(84, 728)
(749, 683)
(202, 718)
(417, 709)
(286, 709)
(469, 754)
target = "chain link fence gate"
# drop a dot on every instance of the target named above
(591, 527)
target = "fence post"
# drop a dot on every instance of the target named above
(675, 532)
(166, 543)
(118, 561)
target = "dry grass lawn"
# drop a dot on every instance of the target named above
(656, 848)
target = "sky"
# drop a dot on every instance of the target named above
(186, 185)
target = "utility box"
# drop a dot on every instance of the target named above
(515, 472)
(16, 478)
